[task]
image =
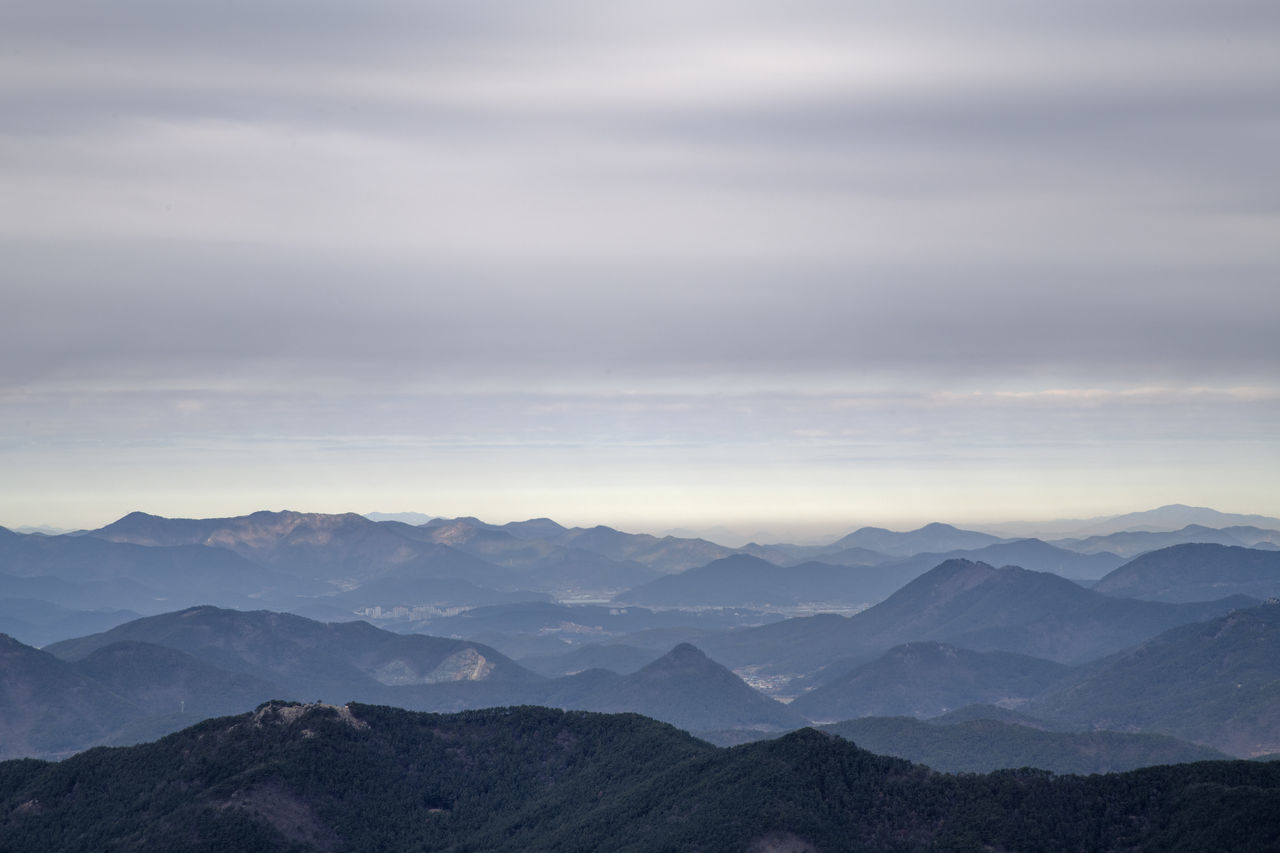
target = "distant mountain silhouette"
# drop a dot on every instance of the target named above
(160, 679)
(543, 563)
(615, 657)
(687, 689)
(414, 590)
(665, 554)
(1176, 517)
(1133, 543)
(37, 622)
(49, 706)
(585, 620)
(877, 581)
(1212, 682)
(1032, 554)
(741, 580)
(968, 604)
(314, 546)
(215, 660)
(402, 517)
(86, 571)
(535, 528)
(933, 538)
(305, 657)
(926, 679)
(543, 542)
(1196, 573)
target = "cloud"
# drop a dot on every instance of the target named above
(231, 222)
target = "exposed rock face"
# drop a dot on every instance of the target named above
(282, 713)
(463, 665)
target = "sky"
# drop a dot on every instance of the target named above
(776, 266)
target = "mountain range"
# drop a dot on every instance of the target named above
(927, 679)
(140, 679)
(742, 580)
(1196, 572)
(480, 621)
(968, 604)
(1212, 682)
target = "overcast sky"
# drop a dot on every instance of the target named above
(650, 265)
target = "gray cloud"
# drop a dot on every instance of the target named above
(266, 215)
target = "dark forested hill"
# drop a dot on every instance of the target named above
(362, 778)
(981, 746)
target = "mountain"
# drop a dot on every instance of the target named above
(1214, 682)
(926, 679)
(615, 657)
(1175, 517)
(38, 623)
(1131, 543)
(932, 538)
(402, 517)
(656, 555)
(689, 690)
(967, 604)
(308, 658)
(82, 572)
(535, 528)
(48, 706)
(877, 581)
(545, 564)
(666, 554)
(1162, 519)
(981, 746)
(327, 548)
(1196, 573)
(992, 712)
(852, 557)
(412, 590)
(741, 580)
(1032, 554)
(365, 778)
(285, 655)
(160, 680)
(586, 621)
(121, 693)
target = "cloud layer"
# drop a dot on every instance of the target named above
(433, 226)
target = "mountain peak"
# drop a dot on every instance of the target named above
(937, 527)
(687, 651)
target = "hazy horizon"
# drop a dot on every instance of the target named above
(730, 532)
(672, 265)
